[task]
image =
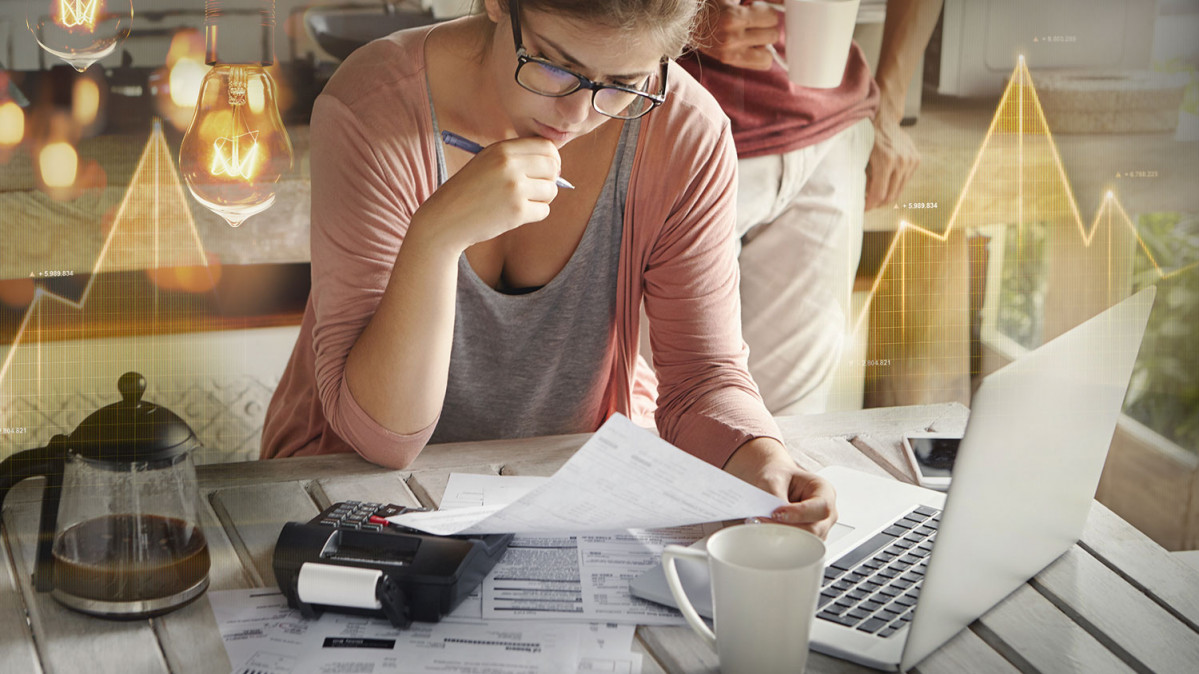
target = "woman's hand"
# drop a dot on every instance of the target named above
(765, 463)
(506, 185)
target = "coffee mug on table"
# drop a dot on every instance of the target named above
(819, 33)
(765, 580)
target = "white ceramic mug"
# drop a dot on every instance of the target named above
(819, 33)
(765, 580)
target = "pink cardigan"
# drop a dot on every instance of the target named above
(373, 163)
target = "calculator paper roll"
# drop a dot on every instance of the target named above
(338, 586)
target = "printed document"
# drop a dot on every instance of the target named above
(624, 477)
(263, 635)
(577, 578)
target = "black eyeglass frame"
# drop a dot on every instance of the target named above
(523, 57)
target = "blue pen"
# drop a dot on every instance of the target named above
(454, 140)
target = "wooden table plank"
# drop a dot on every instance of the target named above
(385, 488)
(648, 664)
(452, 456)
(834, 451)
(191, 640)
(544, 468)
(966, 652)
(224, 475)
(254, 515)
(1170, 582)
(189, 637)
(886, 451)
(1031, 632)
(25, 491)
(429, 485)
(867, 440)
(17, 653)
(941, 417)
(227, 571)
(67, 640)
(680, 650)
(1118, 615)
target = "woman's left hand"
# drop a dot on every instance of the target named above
(765, 463)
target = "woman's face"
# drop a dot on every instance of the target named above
(600, 53)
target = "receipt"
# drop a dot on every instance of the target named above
(624, 477)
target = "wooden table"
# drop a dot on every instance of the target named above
(1115, 602)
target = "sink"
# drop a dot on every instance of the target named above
(341, 30)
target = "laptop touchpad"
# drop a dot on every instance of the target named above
(838, 532)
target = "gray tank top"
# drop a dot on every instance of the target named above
(536, 362)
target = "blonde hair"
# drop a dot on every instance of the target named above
(669, 21)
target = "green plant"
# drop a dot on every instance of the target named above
(1023, 284)
(1164, 393)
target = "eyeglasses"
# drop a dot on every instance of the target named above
(540, 76)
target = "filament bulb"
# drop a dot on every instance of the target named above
(79, 32)
(236, 147)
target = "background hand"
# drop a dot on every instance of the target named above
(738, 34)
(893, 160)
(765, 463)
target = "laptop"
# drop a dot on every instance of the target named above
(1023, 482)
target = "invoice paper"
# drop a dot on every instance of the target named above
(624, 477)
(576, 578)
(264, 636)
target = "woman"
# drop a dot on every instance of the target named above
(459, 296)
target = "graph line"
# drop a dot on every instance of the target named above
(148, 169)
(1019, 85)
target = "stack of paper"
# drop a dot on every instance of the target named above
(557, 602)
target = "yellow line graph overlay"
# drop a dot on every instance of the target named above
(153, 229)
(1017, 178)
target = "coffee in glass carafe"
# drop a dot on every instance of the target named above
(119, 535)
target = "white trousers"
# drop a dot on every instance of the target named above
(799, 220)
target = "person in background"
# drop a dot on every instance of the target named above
(811, 162)
(462, 296)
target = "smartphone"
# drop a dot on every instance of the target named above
(931, 457)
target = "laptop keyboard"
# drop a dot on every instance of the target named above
(873, 587)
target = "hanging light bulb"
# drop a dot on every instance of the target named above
(236, 147)
(79, 32)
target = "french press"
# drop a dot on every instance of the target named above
(118, 535)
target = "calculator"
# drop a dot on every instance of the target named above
(411, 574)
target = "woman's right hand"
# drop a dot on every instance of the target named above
(506, 185)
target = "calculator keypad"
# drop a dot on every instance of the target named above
(356, 515)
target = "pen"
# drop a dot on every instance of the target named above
(777, 59)
(454, 140)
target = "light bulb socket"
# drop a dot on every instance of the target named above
(239, 32)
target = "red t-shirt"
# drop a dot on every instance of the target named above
(770, 115)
